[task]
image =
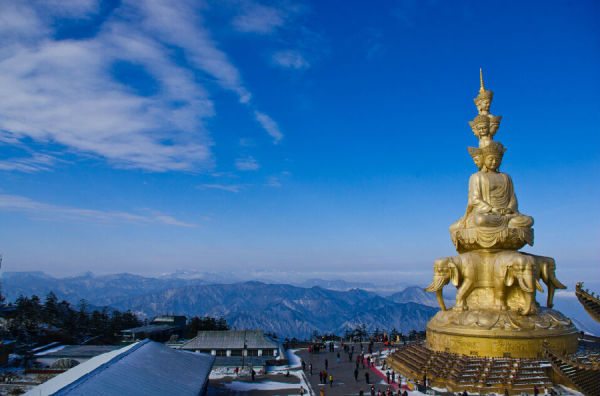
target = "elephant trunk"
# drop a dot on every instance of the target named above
(552, 282)
(527, 284)
(526, 281)
(550, 301)
(528, 304)
(440, 299)
(437, 286)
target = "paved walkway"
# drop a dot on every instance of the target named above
(343, 372)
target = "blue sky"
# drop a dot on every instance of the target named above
(308, 138)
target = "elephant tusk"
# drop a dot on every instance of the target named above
(437, 284)
(524, 286)
(539, 286)
(557, 283)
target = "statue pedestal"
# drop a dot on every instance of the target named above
(495, 333)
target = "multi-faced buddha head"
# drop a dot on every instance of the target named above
(483, 101)
(480, 126)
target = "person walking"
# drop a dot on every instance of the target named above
(322, 391)
(320, 377)
(330, 381)
(367, 377)
(388, 377)
(310, 368)
(326, 364)
(324, 377)
(355, 375)
(393, 377)
(303, 365)
(338, 358)
(372, 391)
(536, 392)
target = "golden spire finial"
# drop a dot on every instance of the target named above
(481, 79)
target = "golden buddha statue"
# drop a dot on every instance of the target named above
(492, 206)
(492, 219)
(495, 311)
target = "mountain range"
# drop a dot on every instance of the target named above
(288, 310)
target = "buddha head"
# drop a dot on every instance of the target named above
(480, 126)
(483, 101)
(492, 156)
(477, 156)
(494, 124)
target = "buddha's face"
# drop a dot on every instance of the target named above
(494, 127)
(482, 129)
(478, 159)
(492, 162)
(483, 105)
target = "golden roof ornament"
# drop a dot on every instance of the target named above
(482, 89)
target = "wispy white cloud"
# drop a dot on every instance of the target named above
(246, 164)
(67, 92)
(257, 18)
(36, 162)
(235, 188)
(269, 125)
(273, 181)
(290, 59)
(44, 211)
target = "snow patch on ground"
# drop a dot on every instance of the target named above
(47, 351)
(295, 361)
(268, 385)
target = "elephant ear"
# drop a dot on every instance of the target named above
(454, 274)
(509, 277)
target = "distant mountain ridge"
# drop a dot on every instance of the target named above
(289, 311)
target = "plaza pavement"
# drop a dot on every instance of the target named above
(343, 372)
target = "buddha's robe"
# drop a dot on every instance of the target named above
(488, 191)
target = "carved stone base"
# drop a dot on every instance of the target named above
(493, 333)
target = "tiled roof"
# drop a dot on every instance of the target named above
(230, 339)
(80, 351)
(146, 368)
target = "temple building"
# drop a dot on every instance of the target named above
(233, 343)
(161, 328)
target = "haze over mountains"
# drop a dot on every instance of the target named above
(288, 310)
